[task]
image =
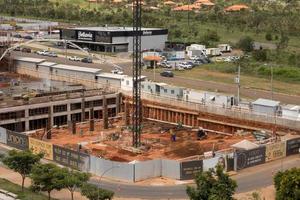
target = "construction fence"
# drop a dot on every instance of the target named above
(142, 170)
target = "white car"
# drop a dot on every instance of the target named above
(117, 71)
(43, 52)
(74, 58)
(194, 57)
(185, 66)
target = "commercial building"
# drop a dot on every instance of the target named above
(114, 39)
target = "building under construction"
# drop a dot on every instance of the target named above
(31, 103)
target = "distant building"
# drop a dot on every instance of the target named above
(114, 39)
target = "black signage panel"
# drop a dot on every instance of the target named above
(70, 158)
(189, 169)
(17, 140)
(292, 146)
(86, 35)
(251, 157)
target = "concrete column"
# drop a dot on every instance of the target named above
(193, 120)
(69, 112)
(161, 114)
(118, 103)
(92, 123)
(105, 114)
(83, 107)
(127, 113)
(27, 119)
(51, 114)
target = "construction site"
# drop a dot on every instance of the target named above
(98, 121)
(159, 140)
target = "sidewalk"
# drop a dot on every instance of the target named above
(61, 195)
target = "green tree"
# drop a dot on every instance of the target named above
(269, 37)
(93, 193)
(287, 184)
(246, 44)
(212, 185)
(260, 55)
(283, 42)
(21, 162)
(47, 177)
(74, 179)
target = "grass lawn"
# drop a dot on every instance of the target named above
(246, 81)
(16, 189)
(206, 74)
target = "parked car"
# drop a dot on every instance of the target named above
(75, 58)
(17, 36)
(185, 65)
(17, 49)
(194, 57)
(117, 71)
(26, 50)
(42, 53)
(87, 60)
(28, 37)
(51, 54)
(164, 64)
(167, 74)
(86, 49)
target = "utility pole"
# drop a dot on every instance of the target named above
(237, 81)
(136, 71)
(272, 82)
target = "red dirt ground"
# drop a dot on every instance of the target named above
(155, 138)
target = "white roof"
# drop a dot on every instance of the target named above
(291, 107)
(76, 68)
(266, 102)
(245, 144)
(161, 84)
(47, 64)
(111, 75)
(29, 59)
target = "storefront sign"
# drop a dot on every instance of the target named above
(17, 140)
(251, 157)
(292, 146)
(275, 151)
(70, 158)
(39, 146)
(147, 32)
(189, 169)
(85, 35)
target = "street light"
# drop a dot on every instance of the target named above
(117, 166)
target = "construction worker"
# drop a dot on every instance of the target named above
(173, 135)
(200, 133)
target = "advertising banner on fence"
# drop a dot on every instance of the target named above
(275, 151)
(188, 169)
(3, 135)
(17, 140)
(292, 146)
(70, 158)
(39, 146)
(251, 157)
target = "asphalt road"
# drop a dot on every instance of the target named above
(180, 81)
(247, 180)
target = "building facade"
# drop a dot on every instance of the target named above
(114, 39)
